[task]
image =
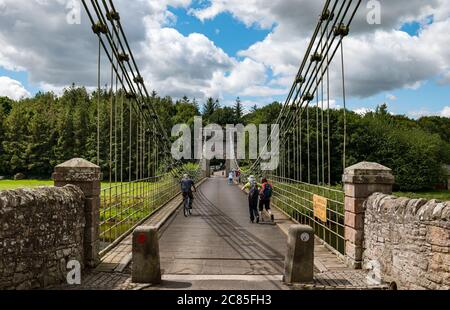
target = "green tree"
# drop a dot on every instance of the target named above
(6, 104)
(185, 113)
(382, 109)
(40, 143)
(2, 139)
(238, 110)
(436, 125)
(16, 137)
(265, 115)
(209, 108)
(223, 116)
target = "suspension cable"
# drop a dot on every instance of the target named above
(338, 20)
(98, 100)
(345, 108)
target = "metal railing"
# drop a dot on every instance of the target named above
(296, 199)
(123, 206)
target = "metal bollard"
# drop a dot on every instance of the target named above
(146, 266)
(299, 263)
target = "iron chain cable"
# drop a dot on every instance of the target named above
(338, 20)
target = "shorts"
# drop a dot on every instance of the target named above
(264, 204)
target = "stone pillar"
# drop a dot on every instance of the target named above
(360, 182)
(87, 177)
(146, 266)
(299, 261)
(227, 167)
(447, 168)
(206, 168)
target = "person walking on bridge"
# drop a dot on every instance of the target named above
(230, 177)
(265, 195)
(253, 196)
(187, 184)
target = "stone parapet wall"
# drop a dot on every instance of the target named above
(408, 241)
(40, 231)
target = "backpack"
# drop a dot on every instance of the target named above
(266, 192)
(253, 193)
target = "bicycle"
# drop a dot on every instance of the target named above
(186, 209)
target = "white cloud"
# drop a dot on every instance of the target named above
(391, 97)
(378, 58)
(36, 37)
(445, 112)
(12, 88)
(56, 54)
(363, 111)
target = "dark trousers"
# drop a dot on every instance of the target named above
(264, 204)
(253, 208)
(191, 196)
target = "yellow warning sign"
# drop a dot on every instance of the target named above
(320, 207)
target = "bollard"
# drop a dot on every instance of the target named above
(146, 264)
(299, 263)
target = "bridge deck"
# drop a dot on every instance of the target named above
(219, 238)
(218, 248)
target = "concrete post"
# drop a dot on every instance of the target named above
(87, 177)
(146, 263)
(360, 182)
(299, 261)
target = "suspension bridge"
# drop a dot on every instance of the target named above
(217, 247)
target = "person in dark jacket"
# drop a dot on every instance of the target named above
(265, 195)
(187, 184)
(253, 196)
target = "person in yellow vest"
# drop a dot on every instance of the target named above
(253, 196)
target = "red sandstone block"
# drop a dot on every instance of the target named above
(353, 251)
(354, 236)
(354, 220)
(354, 205)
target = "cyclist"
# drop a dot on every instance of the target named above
(265, 195)
(253, 195)
(186, 188)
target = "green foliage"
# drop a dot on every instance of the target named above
(265, 115)
(185, 112)
(223, 116)
(415, 156)
(437, 125)
(38, 133)
(209, 108)
(2, 138)
(238, 110)
(5, 104)
(443, 195)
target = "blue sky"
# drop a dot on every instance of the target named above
(22, 77)
(247, 37)
(232, 36)
(226, 32)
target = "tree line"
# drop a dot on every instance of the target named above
(40, 132)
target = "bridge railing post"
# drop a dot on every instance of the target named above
(299, 261)
(145, 267)
(360, 182)
(87, 177)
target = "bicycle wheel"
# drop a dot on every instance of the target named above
(186, 210)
